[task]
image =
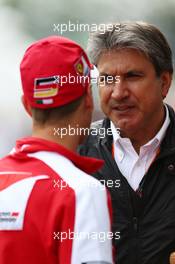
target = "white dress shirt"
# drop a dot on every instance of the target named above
(134, 166)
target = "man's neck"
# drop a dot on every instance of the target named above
(49, 133)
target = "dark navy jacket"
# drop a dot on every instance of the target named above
(143, 221)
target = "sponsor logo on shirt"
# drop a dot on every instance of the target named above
(9, 216)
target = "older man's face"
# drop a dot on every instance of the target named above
(137, 100)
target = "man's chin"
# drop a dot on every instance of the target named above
(126, 126)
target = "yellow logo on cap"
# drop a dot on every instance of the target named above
(79, 68)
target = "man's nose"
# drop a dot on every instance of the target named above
(120, 91)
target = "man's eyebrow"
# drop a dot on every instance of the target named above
(127, 72)
(134, 72)
(106, 74)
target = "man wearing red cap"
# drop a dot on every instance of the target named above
(51, 210)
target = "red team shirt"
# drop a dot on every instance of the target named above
(47, 198)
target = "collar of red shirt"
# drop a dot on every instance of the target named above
(33, 144)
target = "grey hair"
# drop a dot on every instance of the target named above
(141, 36)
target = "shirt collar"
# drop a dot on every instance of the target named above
(161, 133)
(32, 144)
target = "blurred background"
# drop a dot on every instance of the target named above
(23, 21)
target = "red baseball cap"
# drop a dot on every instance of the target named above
(54, 71)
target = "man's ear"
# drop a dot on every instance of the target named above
(89, 98)
(166, 78)
(26, 105)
